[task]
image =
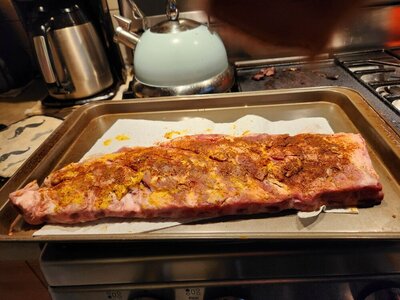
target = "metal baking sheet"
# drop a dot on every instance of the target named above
(345, 110)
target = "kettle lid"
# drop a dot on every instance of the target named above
(174, 24)
(179, 25)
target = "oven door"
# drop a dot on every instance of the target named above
(371, 288)
(223, 270)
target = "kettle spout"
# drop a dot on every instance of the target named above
(123, 34)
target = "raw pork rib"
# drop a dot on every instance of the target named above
(208, 175)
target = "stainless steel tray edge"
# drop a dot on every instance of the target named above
(48, 155)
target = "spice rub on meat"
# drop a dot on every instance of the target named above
(208, 175)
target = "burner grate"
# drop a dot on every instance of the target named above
(377, 70)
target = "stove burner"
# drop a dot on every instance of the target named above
(389, 91)
(129, 93)
(103, 95)
(379, 71)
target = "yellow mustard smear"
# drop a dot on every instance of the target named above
(215, 189)
(238, 184)
(160, 198)
(122, 137)
(120, 190)
(117, 189)
(215, 195)
(109, 156)
(171, 134)
(246, 132)
(104, 202)
(106, 198)
(119, 137)
(107, 142)
(69, 195)
(89, 177)
(70, 173)
(270, 166)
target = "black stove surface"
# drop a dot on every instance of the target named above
(293, 75)
(373, 74)
(330, 73)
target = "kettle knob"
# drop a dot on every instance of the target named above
(172, 10)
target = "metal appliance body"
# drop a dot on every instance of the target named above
(79, 59)
(219, 83)
(237, 269)
(223, 271)
(71, 57)
(175, 56)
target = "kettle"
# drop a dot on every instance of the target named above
(70, 55)
(175, 57)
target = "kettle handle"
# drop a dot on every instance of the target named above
(138, 14)
(44, 59)
(46, 63)
(172, 10)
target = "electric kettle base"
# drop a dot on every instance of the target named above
(104, 95)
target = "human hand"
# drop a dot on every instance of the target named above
(306, 24)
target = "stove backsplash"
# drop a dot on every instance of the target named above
(376, 26)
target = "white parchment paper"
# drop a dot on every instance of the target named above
(128, 133)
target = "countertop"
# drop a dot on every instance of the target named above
(16, 108)
(28, 103)
(13, 108)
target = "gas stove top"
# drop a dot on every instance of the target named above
(379, 71)
(297, 73)
(373, 74)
